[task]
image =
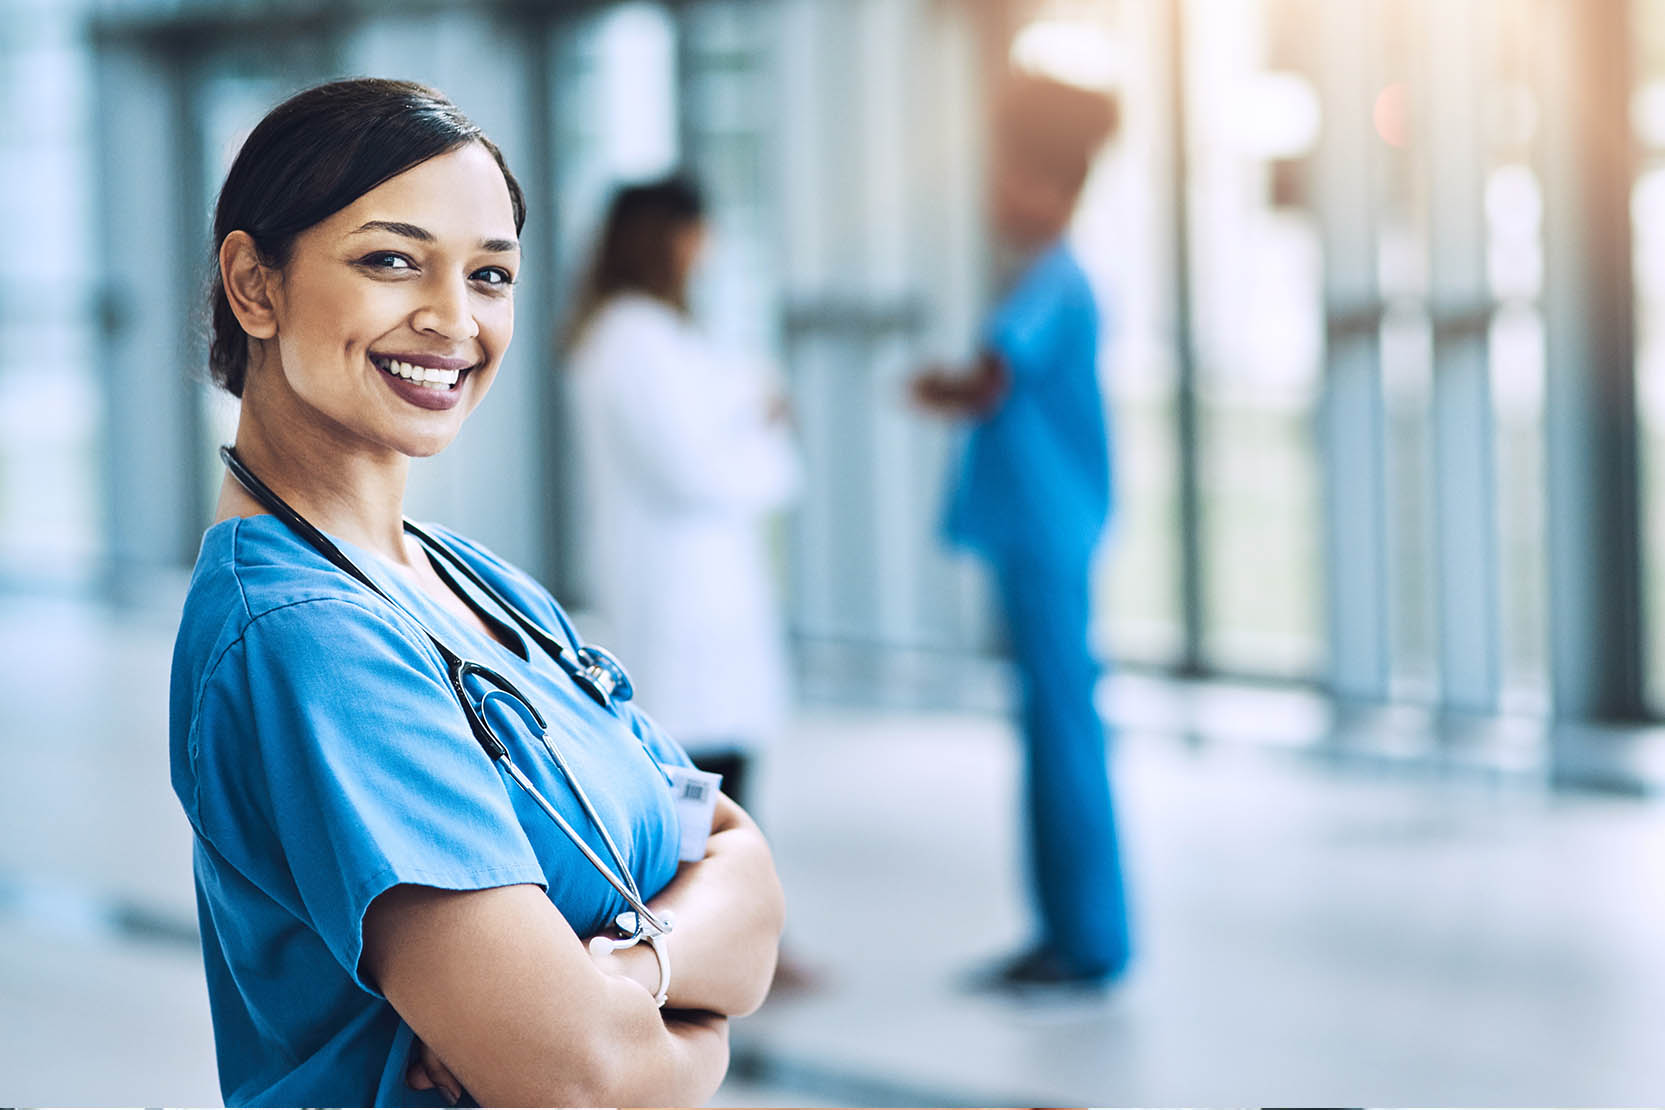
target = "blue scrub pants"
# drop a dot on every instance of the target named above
(1075, 864)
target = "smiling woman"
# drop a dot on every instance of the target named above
(404, 297)
(386, 916)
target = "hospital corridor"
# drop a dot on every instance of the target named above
(1155, 507)
(1321, 914)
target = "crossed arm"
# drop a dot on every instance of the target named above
(509, 1004)
(964, 394)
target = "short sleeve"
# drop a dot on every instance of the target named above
(1031, 326)
(333, 763)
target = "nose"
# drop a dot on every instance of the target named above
(446, 310)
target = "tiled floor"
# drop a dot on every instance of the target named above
(1311, 932)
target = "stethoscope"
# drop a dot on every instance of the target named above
(592, 668)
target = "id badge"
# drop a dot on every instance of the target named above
(695, 794)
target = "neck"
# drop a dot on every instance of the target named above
(1014, 257)
(340, 484)
(1038, 240)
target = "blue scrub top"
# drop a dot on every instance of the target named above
(322, 759)
(1035, 481)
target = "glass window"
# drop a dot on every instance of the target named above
(1514, 210)
(615, 116)
(727, 111)
(51, 522)
(1648, 229)
(1406, 353)
(1256, 278)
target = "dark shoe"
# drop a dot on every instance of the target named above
(1039, 973)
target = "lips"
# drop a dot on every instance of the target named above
(427, 381)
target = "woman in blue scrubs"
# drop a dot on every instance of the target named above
(1032, 498)
(385, 920)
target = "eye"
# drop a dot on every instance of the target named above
(495, 276)
(386, 260)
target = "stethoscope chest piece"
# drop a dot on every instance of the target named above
(602, 676)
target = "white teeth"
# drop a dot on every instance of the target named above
(422, 375)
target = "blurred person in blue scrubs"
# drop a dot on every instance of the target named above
(686, 453)
(1032, 498)
(386, 918)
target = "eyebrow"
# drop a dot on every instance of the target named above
(423, 235)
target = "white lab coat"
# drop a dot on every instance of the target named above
(682, 468)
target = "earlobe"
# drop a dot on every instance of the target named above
(248, 285)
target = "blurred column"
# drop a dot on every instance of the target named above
(1590, 403)
(728, 121)
(155, 510)
(950, 265)
(1189, 479)
(824, 158)
(1450, 107)
(1351, 416)
(879, 218)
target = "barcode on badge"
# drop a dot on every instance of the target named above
(694, 791)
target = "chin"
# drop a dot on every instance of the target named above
(423, 443)
(427, 447)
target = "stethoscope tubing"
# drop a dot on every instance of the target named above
(625, 885)
(618, 875)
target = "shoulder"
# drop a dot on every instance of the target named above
(629, 320)
(1053, 297)
(639, 310)
(248, 567)
(1057, 276)
(270, 627)
(254, 572)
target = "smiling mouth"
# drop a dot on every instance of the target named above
(425, 376)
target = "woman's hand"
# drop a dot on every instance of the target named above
(636, 964)
(428, 1072)
(510, 1007)
(729, 914)
(933, 389)
(497, 980)
(972, 393)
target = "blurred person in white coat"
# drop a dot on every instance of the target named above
(686, 452)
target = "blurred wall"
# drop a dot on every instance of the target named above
(1381, 425)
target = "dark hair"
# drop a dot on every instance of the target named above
(633, 253)
(312, 156)
(1052, 128)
